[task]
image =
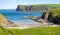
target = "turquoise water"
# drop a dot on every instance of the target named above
(16, 16)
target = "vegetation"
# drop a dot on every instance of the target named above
(3, 31)
(54, 15)
(33, 31)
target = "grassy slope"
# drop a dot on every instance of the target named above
(54, 5)
(41, 31)
(3, 33)
(35, 31)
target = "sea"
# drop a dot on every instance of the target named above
(18, 16)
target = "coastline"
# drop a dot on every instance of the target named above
(33, 24)
(29, 27)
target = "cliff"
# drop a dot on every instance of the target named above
(38, 7)
(32, 8)
(6, 23)
(3, 20)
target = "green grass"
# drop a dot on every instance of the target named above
(34, 31)
(3, 33)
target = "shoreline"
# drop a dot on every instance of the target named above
(30, 27)
(25, 25)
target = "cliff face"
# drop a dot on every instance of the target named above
(31, 8)
(3, 20)
(6, 23)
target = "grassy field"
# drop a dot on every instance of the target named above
(32, 31)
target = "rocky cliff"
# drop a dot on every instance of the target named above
(31, 8)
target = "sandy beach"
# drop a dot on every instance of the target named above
(29, 27)
(24, 25)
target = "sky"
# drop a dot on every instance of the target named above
(12, 4)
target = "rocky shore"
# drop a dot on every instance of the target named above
(39, 19)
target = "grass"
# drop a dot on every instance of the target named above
(3, 33)
(34, 31)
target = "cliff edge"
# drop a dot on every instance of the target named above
(32, 8)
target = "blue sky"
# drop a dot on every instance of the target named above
(12, 4)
